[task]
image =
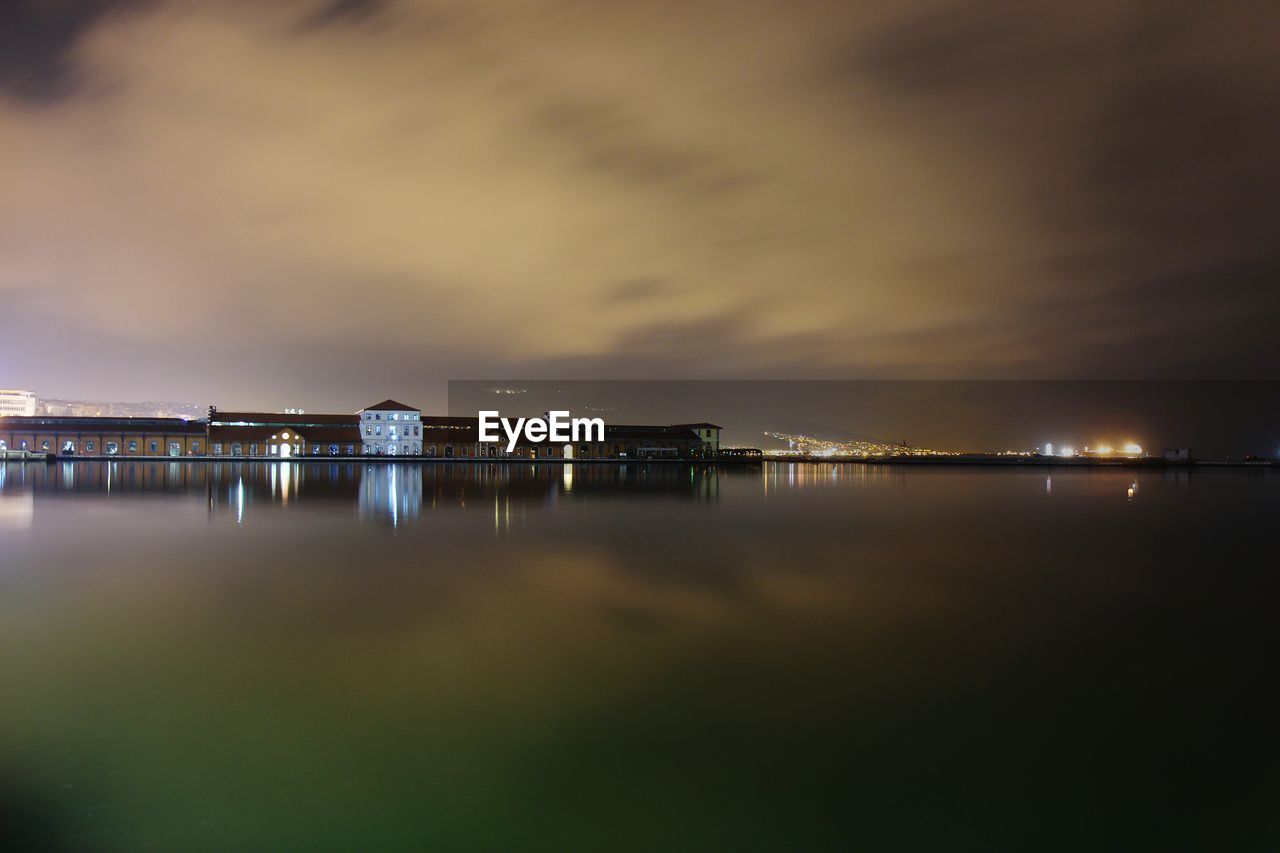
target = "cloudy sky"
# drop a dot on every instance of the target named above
(311, 202)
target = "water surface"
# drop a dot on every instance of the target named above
(233, 656)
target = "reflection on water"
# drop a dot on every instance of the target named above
(392, 492)
(314, 655)
(17, 505)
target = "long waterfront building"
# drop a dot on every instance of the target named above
(385, 429)
(14, 402)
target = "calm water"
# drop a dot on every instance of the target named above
(666, 657)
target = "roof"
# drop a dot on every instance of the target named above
(282, 420)
(110, 424)
(390, 406)
(641, 431)
(703, 425)
(264, 433)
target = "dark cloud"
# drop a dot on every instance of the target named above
(342, 12)
(36, 40)
(608, 139)
(930, 188)
(638, 290)
(1140, 141)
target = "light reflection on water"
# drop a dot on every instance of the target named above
(315, 655)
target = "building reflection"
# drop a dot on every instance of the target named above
(17, 504)
(104, 478)
(398, 493)
(391, 492)
(394, 493)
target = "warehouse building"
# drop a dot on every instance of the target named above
(384, 429)
(72, 436)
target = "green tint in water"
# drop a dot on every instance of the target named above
(312, 656)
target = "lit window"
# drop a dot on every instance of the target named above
(133, 447)
(368, 430)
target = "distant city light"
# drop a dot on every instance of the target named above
(812, 446)
(1067, 451)
(1133, 449)
(1048, 449)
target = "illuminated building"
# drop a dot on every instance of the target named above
(74, 436)
(282, 435)
(391, 429)
(387, 429)
(709, 434)
(17, 403)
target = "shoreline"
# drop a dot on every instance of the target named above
(973, 460)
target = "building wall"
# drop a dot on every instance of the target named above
(438, 438)
(391, 433)
(20, 403)
(86, 442)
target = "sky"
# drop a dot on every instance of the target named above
(322, 204)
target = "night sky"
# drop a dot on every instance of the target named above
(324, 204)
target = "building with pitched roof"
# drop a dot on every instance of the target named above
(388, 429)
(391, 429)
